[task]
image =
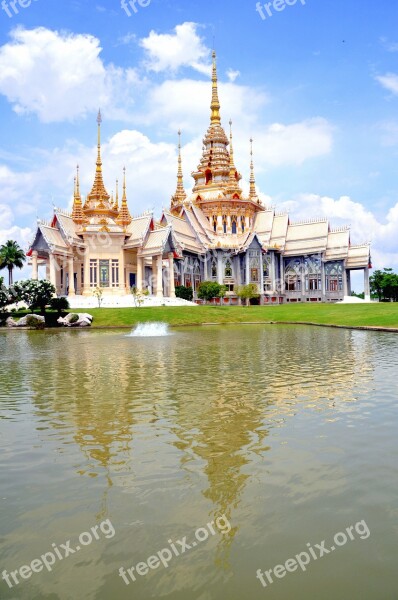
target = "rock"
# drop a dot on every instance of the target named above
(31, 321)
(76, 320)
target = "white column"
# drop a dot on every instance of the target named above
(323, 280)
(220, 268)
(345, 286)
(205, 270)
(139, 273)
(349, 282)
(247, 269)
(35, 271)
(71, 277)
(154, 275)
(229, 225)
(273, 271)
(86, 272)
(122, 274)
(220, 228)
(261, 279)
(53, 273)
(366, 284)
(172, 290)
(159, 283)
(247, 223)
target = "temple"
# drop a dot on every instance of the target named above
(216, 233)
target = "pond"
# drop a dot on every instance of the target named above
(215, 463)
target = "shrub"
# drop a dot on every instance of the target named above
(74, 318)
(211, 289)
(186, 293)
(33, 323)
(59, 304)
(37, 294)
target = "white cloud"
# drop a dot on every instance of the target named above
(389, 81)
(293, 144)
(365, 227)
(60, 76)
(171, 51)
(232, 75)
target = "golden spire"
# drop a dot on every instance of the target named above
(77, 211)
(180, 194)
(232, 168)
(117, 195)
(215, 103)
(124, 217)
(252, 193)
(98, 194)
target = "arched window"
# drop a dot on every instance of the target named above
(228, 269)
(214, 223)
(242, 224)
(209, 176)
(214, 269)
(224, 223)
(234, 226)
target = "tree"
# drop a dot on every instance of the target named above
(376, 284)
(186, 293)
(247, 292)
(138, 296)
(59, 304)
(11, 257)
(36, 294)
(98, 293)
(4, 295)
(208, 290)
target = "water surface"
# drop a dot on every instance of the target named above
(288, 431)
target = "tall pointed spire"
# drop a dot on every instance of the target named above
(124, 217)
(77, 211)
(180, 195)
(215, 103)
(98, 200)
(232, 168)
(116, 206)
(252, 193)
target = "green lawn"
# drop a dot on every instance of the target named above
(355, 315)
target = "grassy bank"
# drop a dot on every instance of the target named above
(353, 315)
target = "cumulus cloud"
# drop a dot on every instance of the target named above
(294, 144)
(364, 225)
(60, 76)
(389, 81)
(171, 51)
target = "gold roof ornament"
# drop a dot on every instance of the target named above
(116, 204)
(180, 195)
(124, 217)
(215, 102)
(77, 212)
(252, 193)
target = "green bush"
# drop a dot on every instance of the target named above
(33, 323)
(59, 304)
(186, 293)
(211, 289)
(74, 318)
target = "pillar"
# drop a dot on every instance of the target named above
(53, 273)
(35, 271)
(261, 279)
(273, 272)
(122, 274)
(220, 268)
(159, 282)
(366, 284)
(172, 290)
(349, 282)
(247, 223)
(72, 291)
(282, 275)
(205, 269)
(139, 273)
(247, 265)
(229, 224)
(323, 280)
(86, 273)
(345, 286)
(154, 275)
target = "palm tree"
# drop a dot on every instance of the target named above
(11, 256)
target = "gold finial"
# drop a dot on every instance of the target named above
(215, 103)
(99, 121)
(74, 187)
(117, 194)
(253, 193)
(124, 217)
(180, 194)
(77, 181)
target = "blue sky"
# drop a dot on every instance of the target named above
(315, 84)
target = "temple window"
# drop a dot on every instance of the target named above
(242, 224)
(224, 223)
(209, 176)
(93, 273)
(215, 224)
(115, 273)
(234, 220)
(104, 273)
(254, 275)
(214, 269)
(228, 269)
